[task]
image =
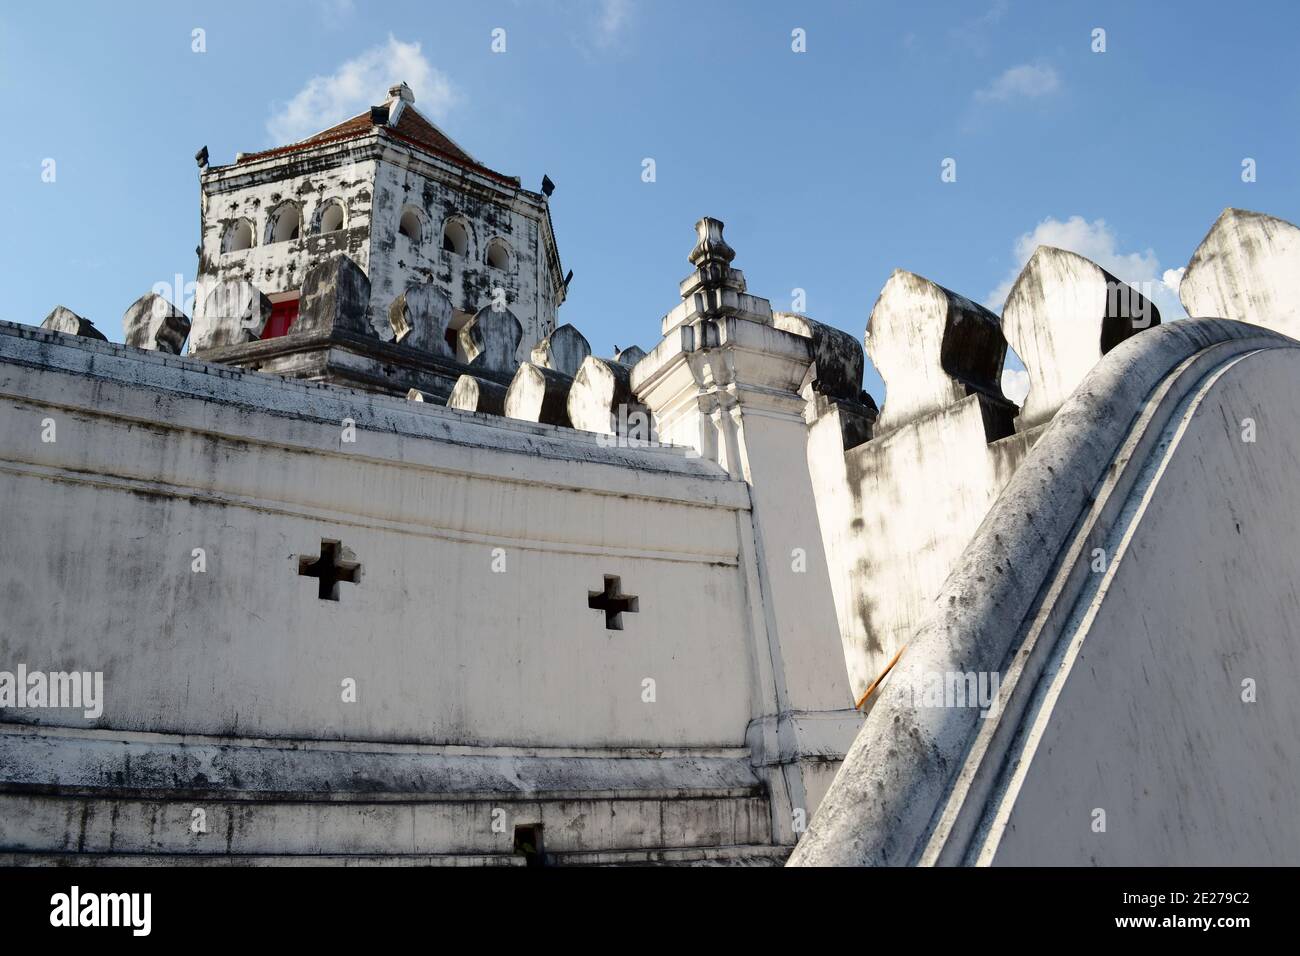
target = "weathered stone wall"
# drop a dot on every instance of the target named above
(488, 213)
(898, 510)
(344, 173)
(895, 513)
(481, 669)
(508, 260)
(154, 458)
(1137, 569)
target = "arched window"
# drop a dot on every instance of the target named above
(410, 226)
(455, 238)
(239, 236)
(286, 222)
(331, 217)
(498, 255)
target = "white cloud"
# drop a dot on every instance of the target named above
(1173, 278)
(1027, 81)
(1095, 241)
(973, 34)
(1015, 384)
(357, 84)
(611, 21)
(334, 13)
(600, 26)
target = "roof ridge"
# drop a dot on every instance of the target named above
(412, 127)
(411, 108)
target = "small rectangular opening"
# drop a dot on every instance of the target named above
(284, 311)
(528, 843)
(458, 321)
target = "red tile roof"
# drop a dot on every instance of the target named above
(411, 128)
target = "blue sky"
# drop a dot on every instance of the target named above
(825, 165)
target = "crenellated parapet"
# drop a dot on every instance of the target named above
(1145, 534)
(235, 312)
(490, 340)
(540, 389)
(629, 356)
(1063, 314)
(151, 322)
(934, 348)
(896, 506)
(324, 332)
(562, 351)
(420, 318)
(472, 394)
(63, 319)
(601, 401)
(335, 298)
(538, 394)
(1247, 268)
(897, 510)
(897, 491)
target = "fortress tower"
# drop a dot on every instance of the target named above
(393, 193)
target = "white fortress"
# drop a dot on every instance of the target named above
(390, 569)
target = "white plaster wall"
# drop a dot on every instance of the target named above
(100, 525)
(797, 577)
(1142, 715)
(895, 514)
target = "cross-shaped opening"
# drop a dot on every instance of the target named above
(329, 569)
(613, 602)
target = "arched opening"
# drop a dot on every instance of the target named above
(498, 255)
(286, 223)
(239, 236)
(331, 219)
(455, 238)
(410, 225)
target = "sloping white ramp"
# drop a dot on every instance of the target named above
(1135, 595)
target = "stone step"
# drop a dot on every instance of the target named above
(412, 826)
(217, 859)
(746, 855)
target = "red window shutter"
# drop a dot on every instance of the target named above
(282, 318)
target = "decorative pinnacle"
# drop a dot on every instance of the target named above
(714, 289)
(712, 260)
(711, 249)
